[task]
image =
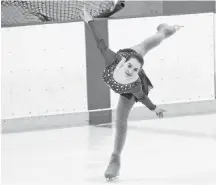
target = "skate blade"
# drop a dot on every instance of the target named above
(111, 178)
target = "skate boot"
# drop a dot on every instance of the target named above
(113, 168)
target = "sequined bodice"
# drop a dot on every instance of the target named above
(107, 76)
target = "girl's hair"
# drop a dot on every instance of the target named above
(130, 53)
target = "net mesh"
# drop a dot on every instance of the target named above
(16, 13)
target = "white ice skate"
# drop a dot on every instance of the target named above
(112, 171)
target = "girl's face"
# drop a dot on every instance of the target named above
(131, 68)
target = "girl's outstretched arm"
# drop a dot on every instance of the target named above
(107, 53)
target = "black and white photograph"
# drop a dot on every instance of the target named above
(108, 92)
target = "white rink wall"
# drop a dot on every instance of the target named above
(44, 66)
(182, 67)
(43, 70)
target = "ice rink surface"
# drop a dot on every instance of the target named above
(169, 151)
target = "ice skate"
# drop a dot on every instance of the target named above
(113, 168)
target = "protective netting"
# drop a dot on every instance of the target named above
(16, 13)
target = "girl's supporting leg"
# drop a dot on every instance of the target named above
(123, 110)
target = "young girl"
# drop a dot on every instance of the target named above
(125, 76)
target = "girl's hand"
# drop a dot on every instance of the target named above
(159, 112)
(86, 16)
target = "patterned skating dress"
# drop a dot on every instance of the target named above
(139, 88)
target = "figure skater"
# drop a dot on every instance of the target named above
(124, 75)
